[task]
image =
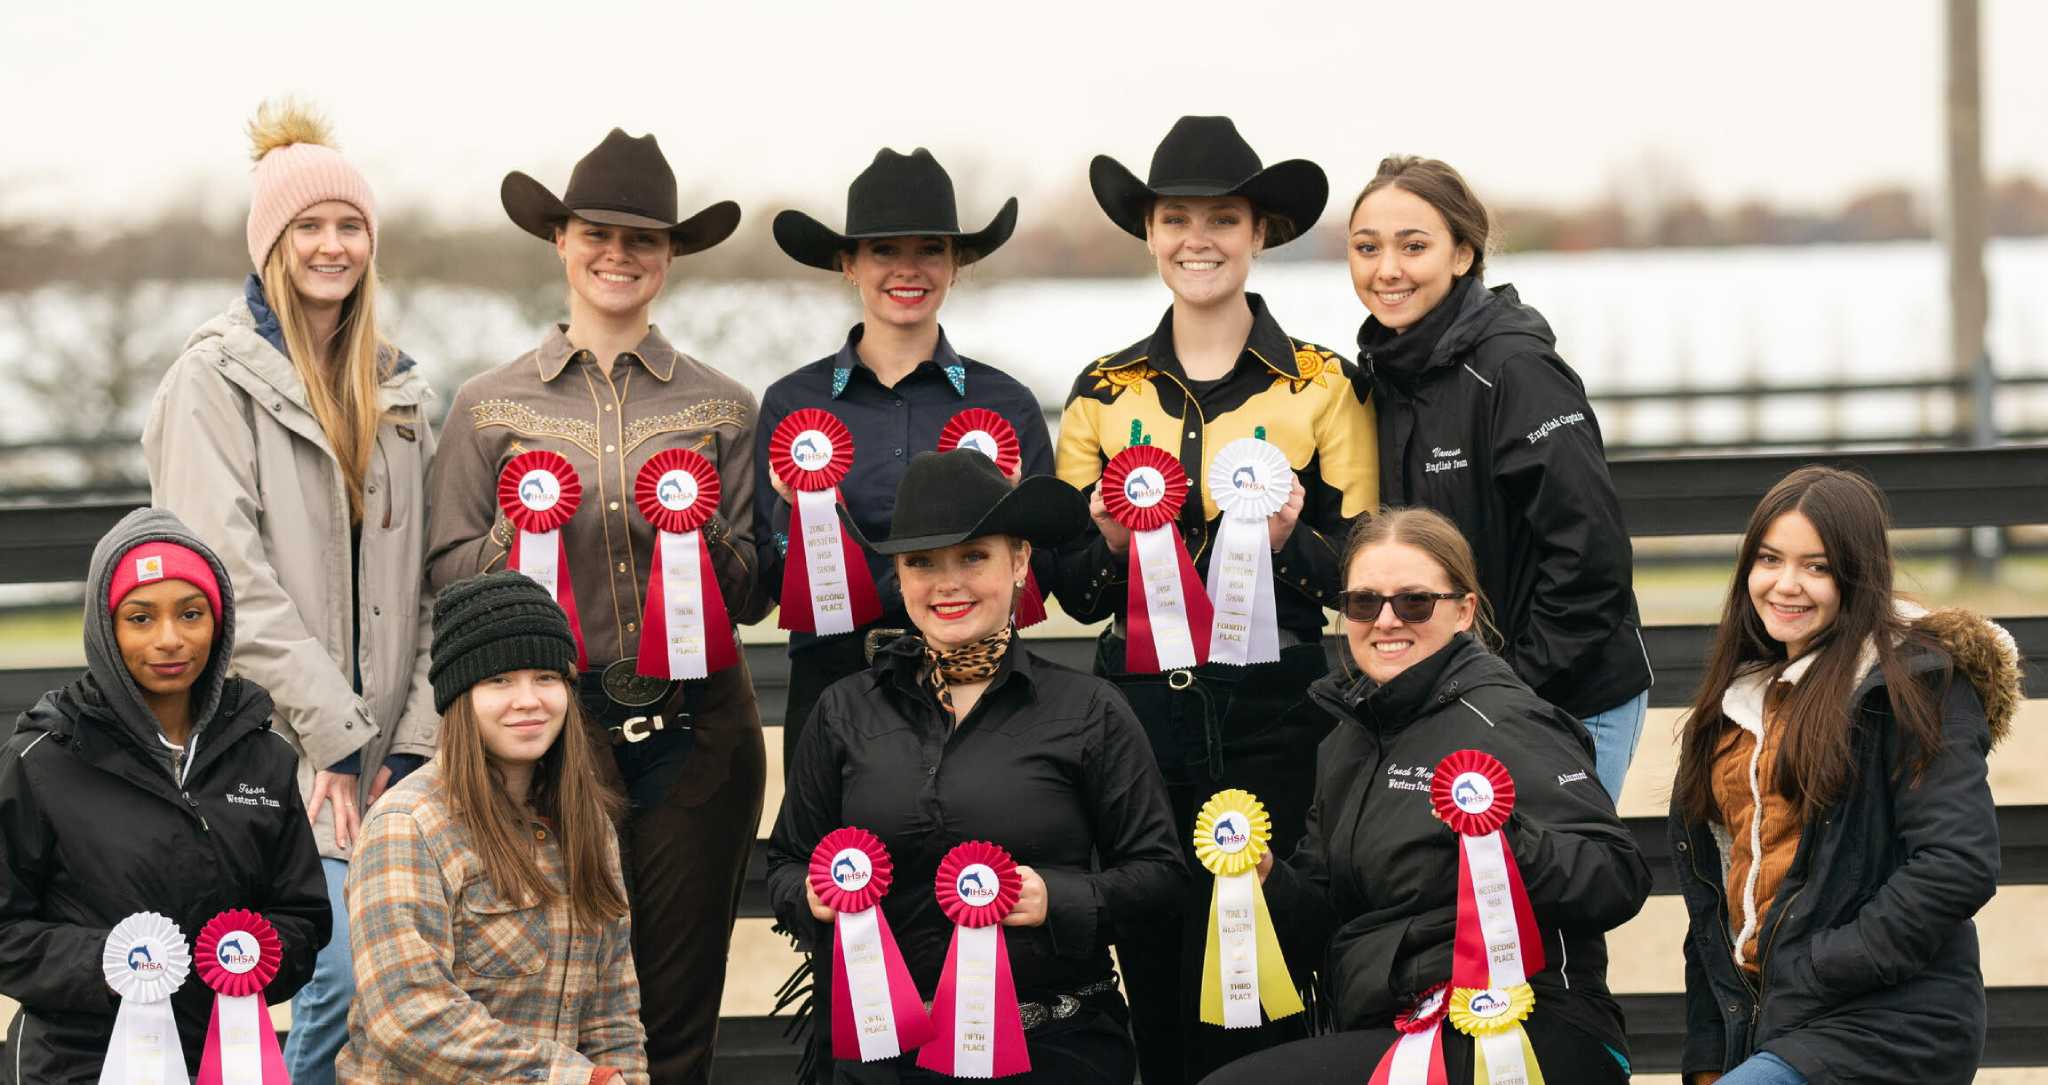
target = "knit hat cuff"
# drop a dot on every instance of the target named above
(149, 562)
(292, 178)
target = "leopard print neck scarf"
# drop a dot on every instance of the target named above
(975, 662)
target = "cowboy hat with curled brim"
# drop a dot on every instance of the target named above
(1204, 156)
(624, 181)
(898, 195)
(951, 497)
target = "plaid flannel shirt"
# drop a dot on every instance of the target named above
(454, 984)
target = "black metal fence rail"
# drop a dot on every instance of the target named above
(1705, 495)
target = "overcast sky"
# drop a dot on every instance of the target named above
(114, 108)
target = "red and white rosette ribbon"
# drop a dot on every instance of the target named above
(538, 492)
(974, 1012)
(1169, 614)
(1250, 480)
(826, 586)
(876, 1011)
(684, 630)
(991, 434)
(1417, 1057)
(145, 961)
(1497, 946)
(237, 955)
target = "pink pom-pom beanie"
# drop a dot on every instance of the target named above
(294, 177)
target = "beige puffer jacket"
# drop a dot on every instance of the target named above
(235, 452)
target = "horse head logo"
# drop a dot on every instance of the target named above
(1138, 487)
(805, 447)
(1467, 794)
(1485, 1004)
(670, 492)
(234, 944)
(973, 876)
(852, 871)
(138, 957)
(533, 491)
(1244, 478)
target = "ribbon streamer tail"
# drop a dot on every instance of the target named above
(1276, 988)
(1416, 1058)
(145, 1049)
(913, 1024)
(567, 599)
(937, 1056)
(1011, 1056)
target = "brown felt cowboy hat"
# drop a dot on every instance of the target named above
(898, 195)
(953, 496)
(625, 181)
(1204, 156)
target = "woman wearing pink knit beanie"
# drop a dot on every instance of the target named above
(293, 439)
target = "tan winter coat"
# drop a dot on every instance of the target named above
(234, 451)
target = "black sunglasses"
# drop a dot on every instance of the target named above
(1409, 606)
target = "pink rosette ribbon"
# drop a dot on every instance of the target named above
(684, 629)
(1417, 1057)
(974, 1012)
(1169, 615)
(538, 492)
(237, 954)
(991, 434)
(826, 586)
(876, 1012)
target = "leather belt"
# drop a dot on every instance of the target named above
(1034, 1014)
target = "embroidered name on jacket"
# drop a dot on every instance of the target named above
(248, 795)
(1561, 421)
(1446, 459)
(1410, 777)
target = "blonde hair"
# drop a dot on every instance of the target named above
(345, 395)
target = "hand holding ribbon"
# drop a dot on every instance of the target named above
(1242, 967)
(238, 955)
(538, 492)
(1498, 945)
(145, 961)
(1251, 481)
(684, 630)
(1168, 615)
(876, 1013)
(974, 1011)
(991, 434)
(826, 586)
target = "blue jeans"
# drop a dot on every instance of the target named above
(1763, 1068)
(320, 1010)
(1614, 740)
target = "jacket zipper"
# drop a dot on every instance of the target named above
(1728, 943)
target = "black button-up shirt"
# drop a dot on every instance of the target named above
(889, 426)
(1050, 763)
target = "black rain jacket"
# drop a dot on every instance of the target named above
(94, 827)
(1869, 958)
(1481, 420)
(1369, 898)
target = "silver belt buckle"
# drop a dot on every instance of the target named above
(647, 726)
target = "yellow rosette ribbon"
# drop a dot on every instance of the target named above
(1493, 1017)
(1242, 967)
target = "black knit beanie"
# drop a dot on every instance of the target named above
(493, 623)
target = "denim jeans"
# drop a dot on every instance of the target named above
(1614, 740)
(1763, 1068)
(320, 1010)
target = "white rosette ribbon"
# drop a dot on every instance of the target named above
(146, 959)
(1250, 480)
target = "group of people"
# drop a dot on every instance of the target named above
(495, 849)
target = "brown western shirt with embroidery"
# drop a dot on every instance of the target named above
(557, 398)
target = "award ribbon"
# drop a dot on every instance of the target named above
(1417, 1057)
(991, 434)
(238, 954)
(145, 961)
(826, 586)
(538, 492)
(1250, 480)
(1497, 944)
(876, 1012)
(684, 630)
(974, 1011)
(1242, 968)
(1168, 616)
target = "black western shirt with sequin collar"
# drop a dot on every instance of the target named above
(1050, 763)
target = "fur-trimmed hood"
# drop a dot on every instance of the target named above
(1985, 654)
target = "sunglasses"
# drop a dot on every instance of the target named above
(1409, 606)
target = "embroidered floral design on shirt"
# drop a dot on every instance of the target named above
(1313, 363)
(703, 414)
(1121, 377)
(521, 418)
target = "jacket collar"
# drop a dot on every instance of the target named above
(1744, 699)
(653, 352)
(1267, 345)
(1405, 355)
(944, 356)
(1391, 706)
(252, 336)
(900, 663)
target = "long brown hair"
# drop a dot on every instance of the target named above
(1434, 534)
(1435, 183)
(565, 790)
(1816, 758)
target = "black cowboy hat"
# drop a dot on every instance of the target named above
(1204, 156)
(951, 497)
(624, 181)
(898, 195)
